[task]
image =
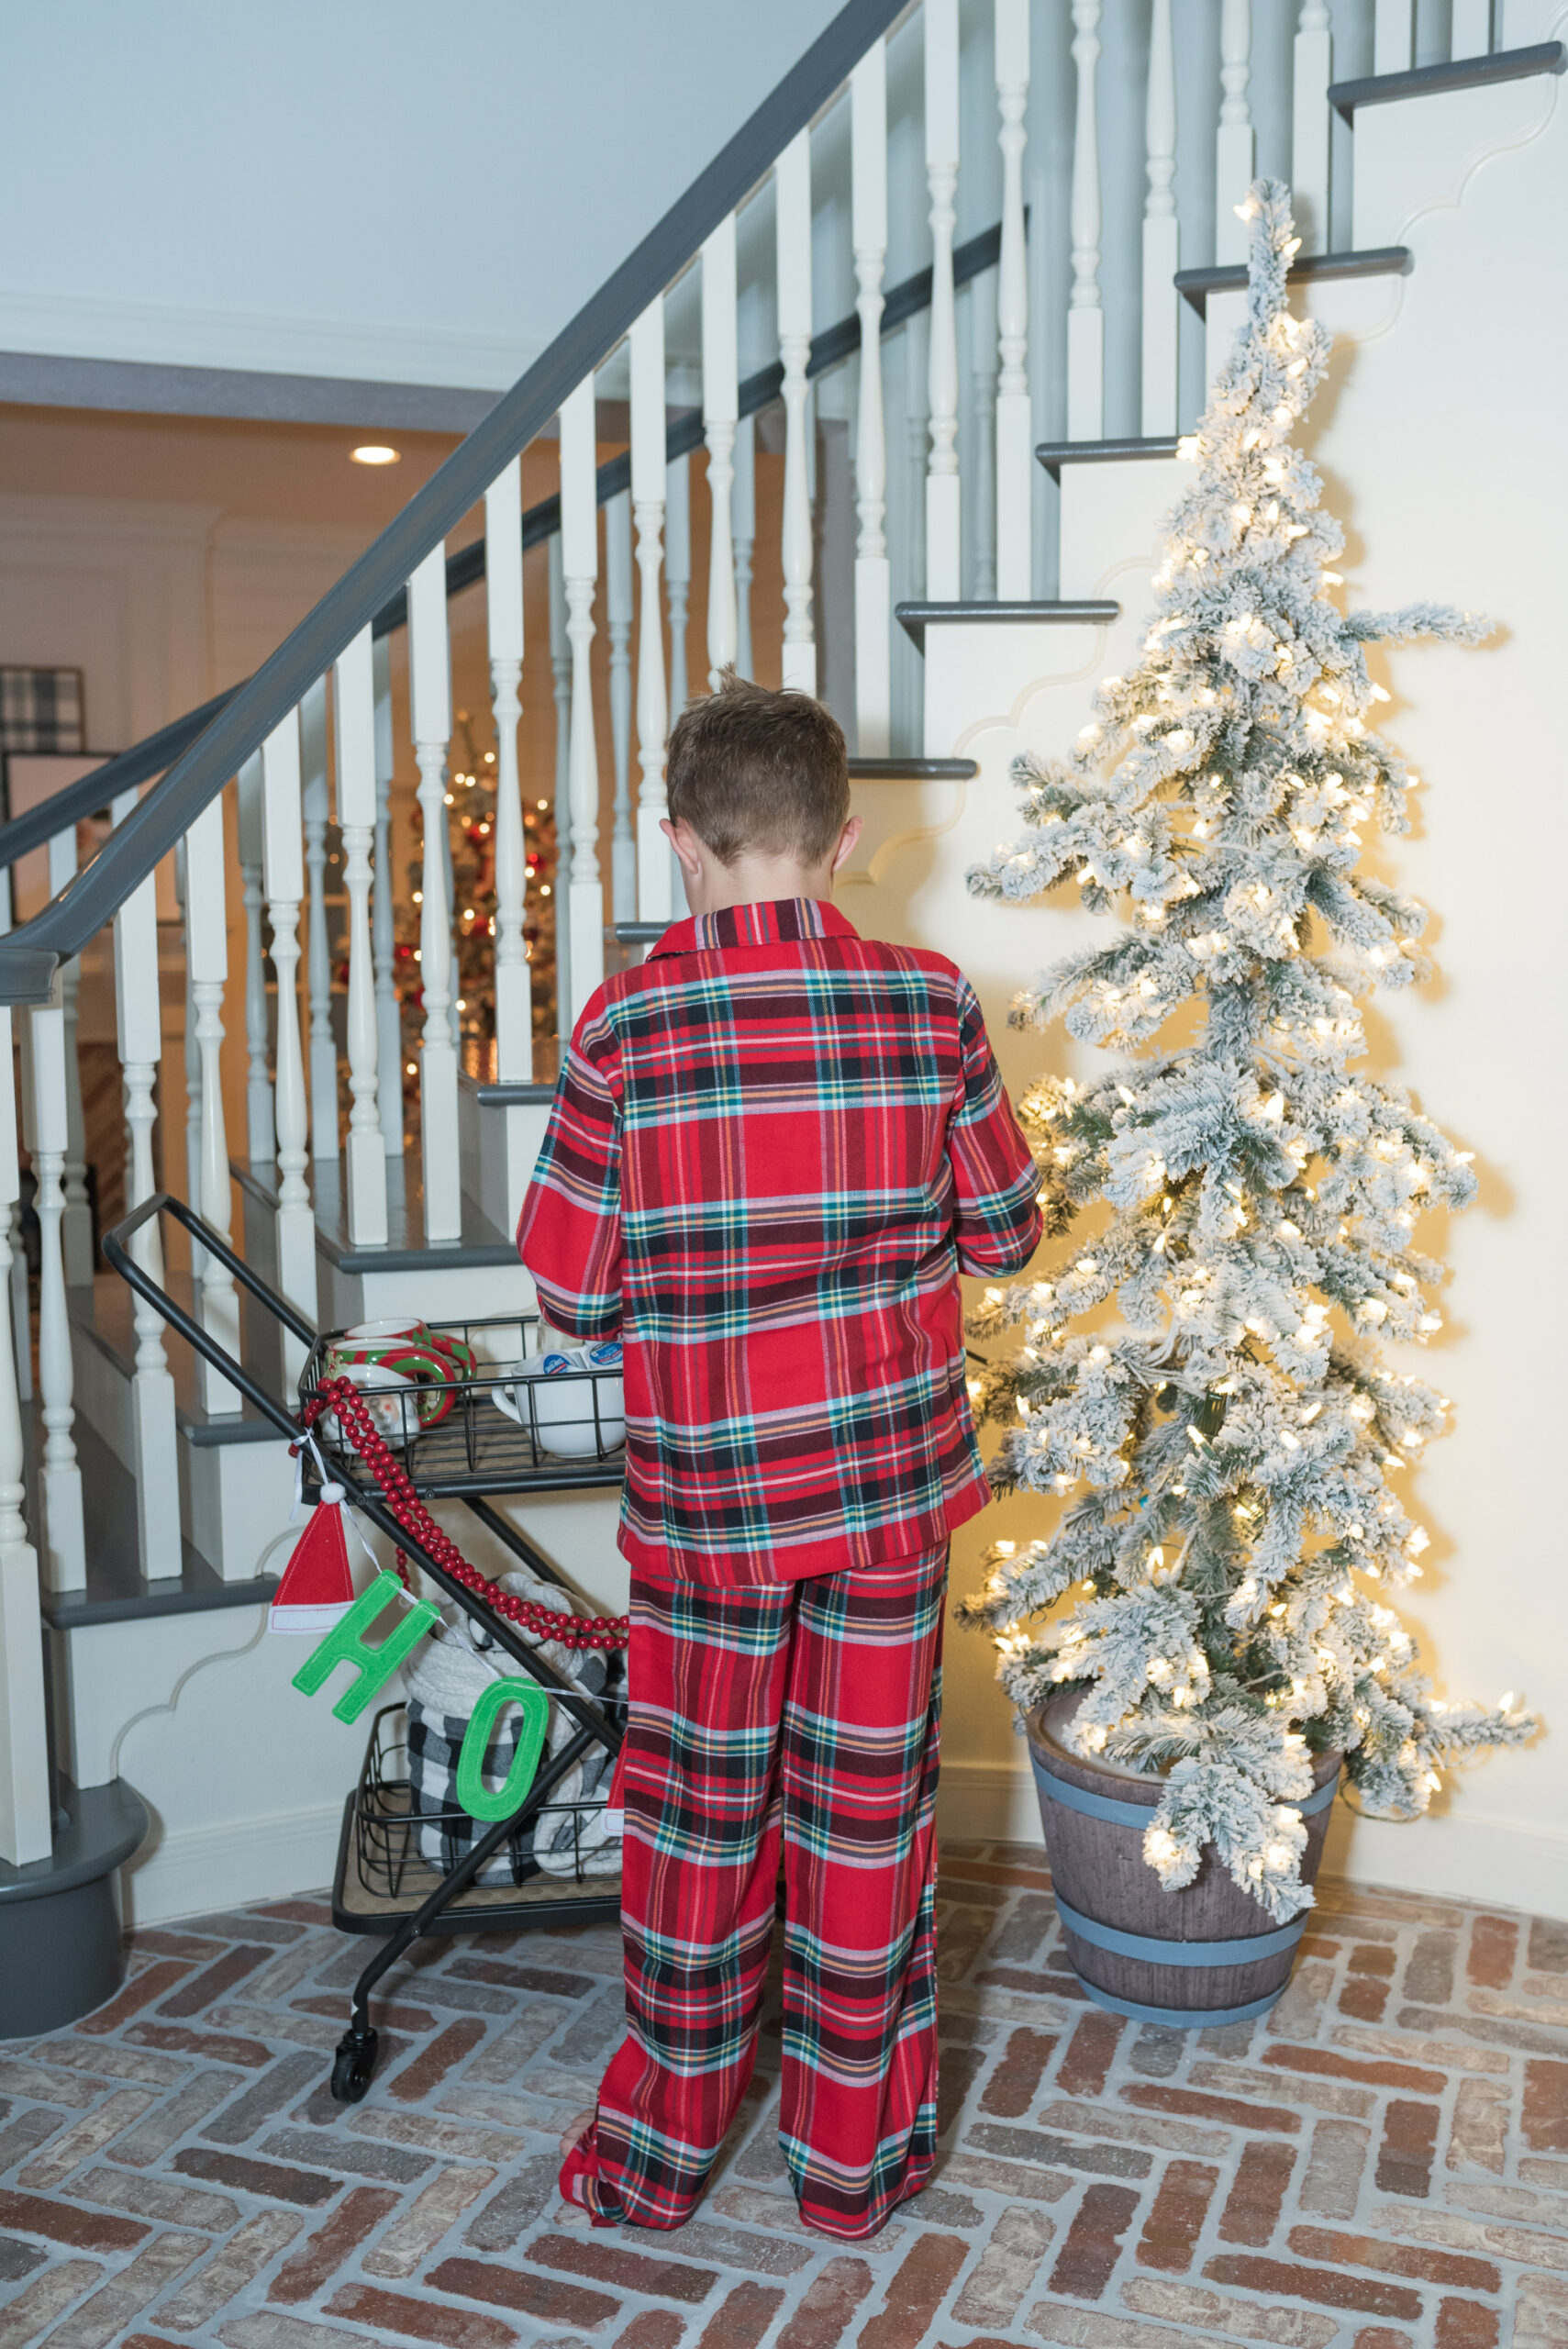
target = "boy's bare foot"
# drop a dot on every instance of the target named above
(576, 2129)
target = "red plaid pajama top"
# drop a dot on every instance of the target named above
(772, 1147)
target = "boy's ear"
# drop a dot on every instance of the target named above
(684, 842)
(847, 840)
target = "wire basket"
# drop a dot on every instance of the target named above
(485, 1428)
(385, 1862)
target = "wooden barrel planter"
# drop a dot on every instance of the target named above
(1209, 1953)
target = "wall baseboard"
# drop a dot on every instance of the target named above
(207, 1868)
(1452, 1856)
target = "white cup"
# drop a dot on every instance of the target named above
(393, 1420)
(562, 1409)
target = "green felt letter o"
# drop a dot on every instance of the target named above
(472, 1791)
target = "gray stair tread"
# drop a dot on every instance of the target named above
(1230, 277)
(405, 1250)
(103, 1314)
(913, 770)
(116, 1591)
(499, 1093)
(1455, 73)
(915, 618)
(1054, 454)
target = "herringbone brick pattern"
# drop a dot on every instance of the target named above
(1382, 2163)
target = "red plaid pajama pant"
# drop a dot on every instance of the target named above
(805, 1716)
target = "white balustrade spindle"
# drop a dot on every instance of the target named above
(617, 622)
(1393, 36)
(261, 1141)
(25, 1820)
(678, 576)
(982, 505)
(648, 482)
(388, 1014)
(64, 1540)
(139, 1034)
(1015, 449)
(791, 176)
(579, 567)
(1470, 32)
(206, 959)
(874, 578)
(720, 403)
(503, 590)
(1085, 318)
(1233, 153)
(1161, 231)
(353, 704)
(192, 1082)
(1313, 70)
(944, 525)
(430, 696)
(283, 874)
(916, 443)
(21, 1302)
(561, 671)
(318, 982)
(76, 1228)
(743, 531)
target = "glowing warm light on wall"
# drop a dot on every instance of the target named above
(375, 453)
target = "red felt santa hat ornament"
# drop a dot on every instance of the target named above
(317, 1589)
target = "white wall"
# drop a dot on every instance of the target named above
(381, 189)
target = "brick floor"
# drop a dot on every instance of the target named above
(1380, 2164)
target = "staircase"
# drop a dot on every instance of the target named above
(957, 598)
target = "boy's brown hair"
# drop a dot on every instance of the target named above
(750, 769)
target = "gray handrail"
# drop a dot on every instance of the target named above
(29, 956)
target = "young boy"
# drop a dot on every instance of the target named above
(773, 1147)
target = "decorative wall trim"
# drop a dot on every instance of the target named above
(62, 325)
(39, 379)
(202, 1869)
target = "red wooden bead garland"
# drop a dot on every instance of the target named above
(341, 1395)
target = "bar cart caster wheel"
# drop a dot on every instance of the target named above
(353, 2067)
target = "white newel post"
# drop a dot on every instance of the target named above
(1015, 453)
(388, 1014)
(1393, 36)
(260, 1142)
(26, 1824)
(560, 670)
(64, 1542)
(76, 1228)
(354, 703)
(284, 868)
(678, 575)
(1313, 72)
(720, 402)
(1233, 140)
(873, 576)
(792, 179)
(206, 958)
(430, 694)
(504, 614)
(743, 528)
(647, 473)
(1085, 318)
(1161, 231)
(318, 984)
(617, 621)
(579, 567)
(944, 524)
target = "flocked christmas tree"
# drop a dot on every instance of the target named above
(1231, 1455)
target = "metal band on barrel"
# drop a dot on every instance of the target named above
(1138, 1814)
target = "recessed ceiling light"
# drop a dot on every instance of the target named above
(373, 453)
